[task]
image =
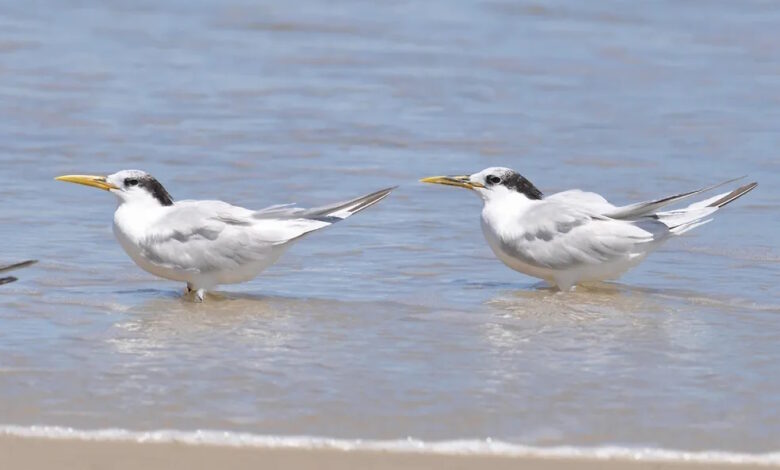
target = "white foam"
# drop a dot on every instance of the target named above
(487, 447)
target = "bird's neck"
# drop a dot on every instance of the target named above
(507, 200)
(132, 218)
(506, 208)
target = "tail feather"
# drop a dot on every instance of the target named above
(682, 228)
(682, 220)
(646, 208)
(330, 213)
(734, 195)
(301, 222)
(342, 210)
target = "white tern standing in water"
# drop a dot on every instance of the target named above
(575, 236)
(207, 243)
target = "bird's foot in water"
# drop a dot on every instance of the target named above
(564, 287)
(197, 294)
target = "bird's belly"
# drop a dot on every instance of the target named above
(600, 272)
(247, 272)
(201, 278)
(563, 277)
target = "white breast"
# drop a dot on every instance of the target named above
(130, 224)
(510, 259)
(499, 224)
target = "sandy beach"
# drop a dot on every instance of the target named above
(66, 454)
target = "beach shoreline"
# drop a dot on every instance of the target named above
(35, 453)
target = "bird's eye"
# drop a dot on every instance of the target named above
(131, 182)
(493, 179)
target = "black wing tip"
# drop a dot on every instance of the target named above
(382, 193)
(23, 264)
(7, 280)
(370, 199)
(386, 190)
(734, 195)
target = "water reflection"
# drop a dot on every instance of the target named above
(257, 324)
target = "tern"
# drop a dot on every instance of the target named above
(575, 237)
(207, 243)
(11, 267)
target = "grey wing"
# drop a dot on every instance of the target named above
(557, 236)
(589, 201)
(204, 236)
(213, 235)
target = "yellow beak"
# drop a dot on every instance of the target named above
(88, 180)
(459, 181)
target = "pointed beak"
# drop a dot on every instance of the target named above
(99, 182)
(459, 181)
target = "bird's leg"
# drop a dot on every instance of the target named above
(199, 294)
(564, 284)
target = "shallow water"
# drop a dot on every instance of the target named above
(397, 322)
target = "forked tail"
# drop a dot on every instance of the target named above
(732, 196)
(299, 222)
(342, 210)
(681, 220)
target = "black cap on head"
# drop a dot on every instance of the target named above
(147, 182)
(513, 181)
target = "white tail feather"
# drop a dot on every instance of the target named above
(682, 220)
(706, 202)
(680, 229)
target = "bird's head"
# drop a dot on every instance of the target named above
(491, 183)
(129, 186)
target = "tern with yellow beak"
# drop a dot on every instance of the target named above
(207, 243)
(575, 236)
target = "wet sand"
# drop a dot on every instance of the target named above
(65, 454)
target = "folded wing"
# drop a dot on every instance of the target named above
(559, 236)
(205, 236)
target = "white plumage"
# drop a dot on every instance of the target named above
(208, 243)
(575, 236)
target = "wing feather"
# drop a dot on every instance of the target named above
(204, 236)
(558, 236)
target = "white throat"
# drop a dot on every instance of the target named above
(133, 216)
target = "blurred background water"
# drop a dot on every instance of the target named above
(398, 322)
